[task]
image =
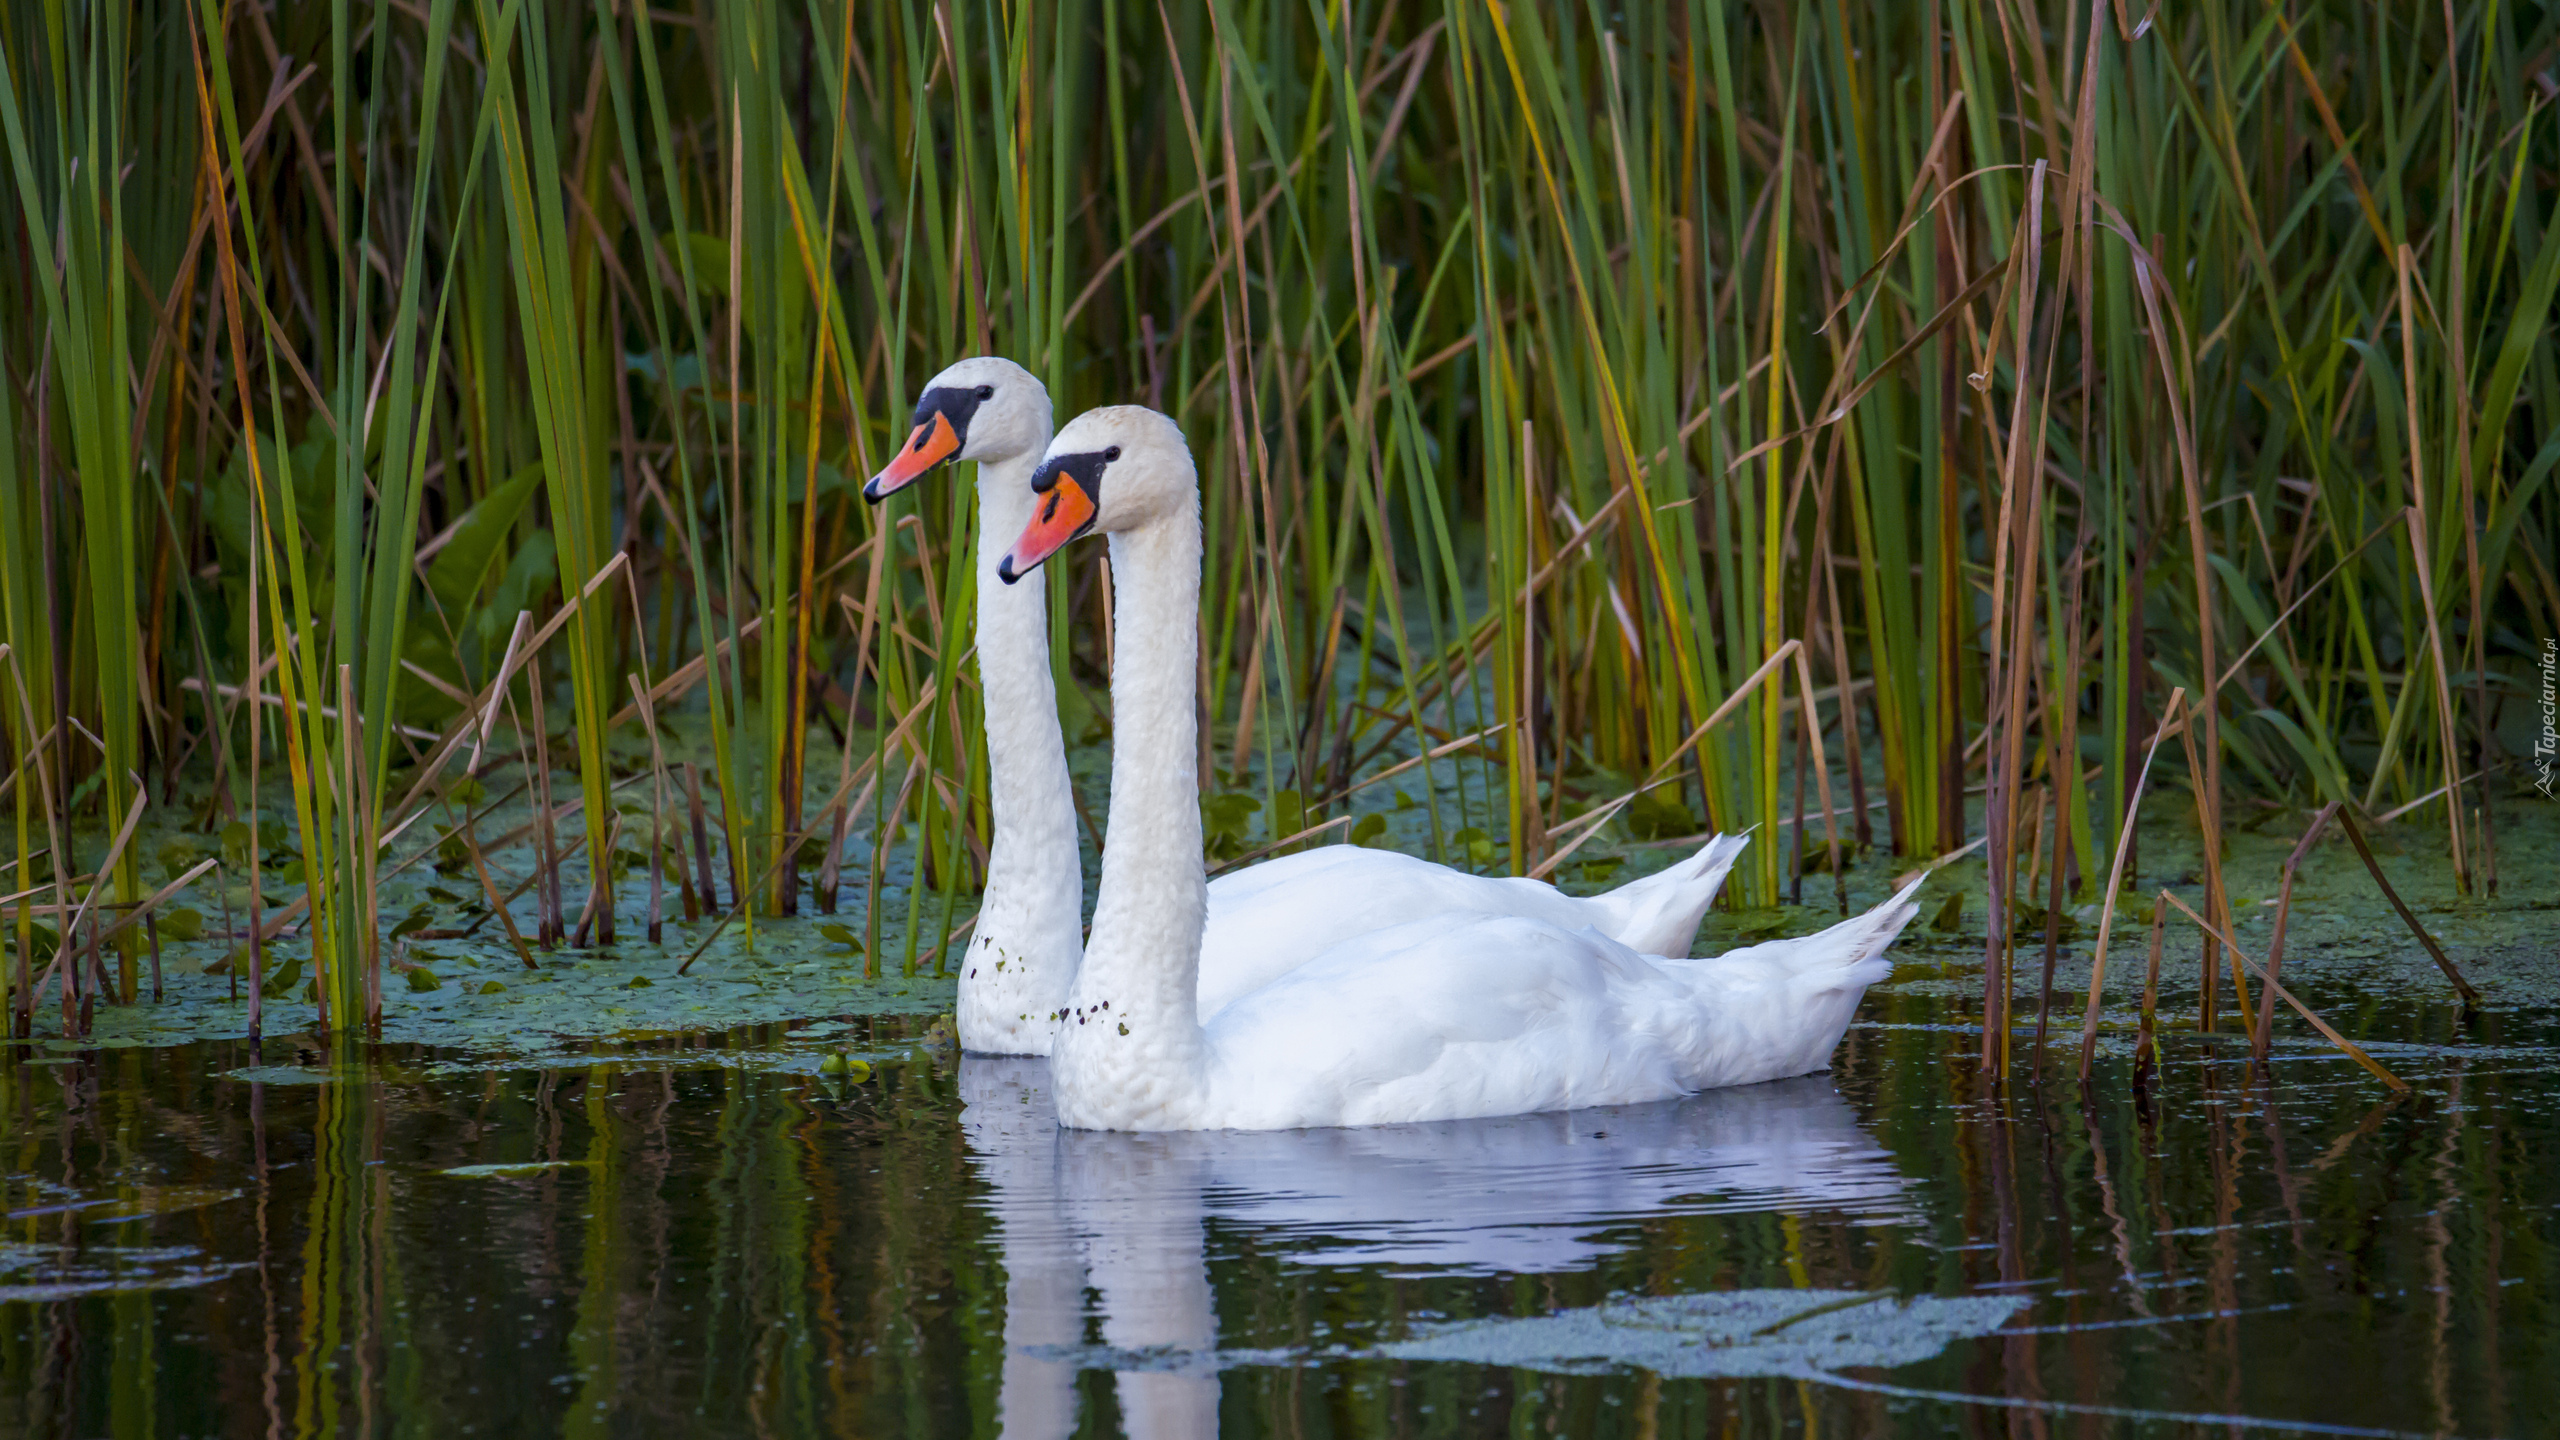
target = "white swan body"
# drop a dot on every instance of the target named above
(1506, 1015)
(1445, 1017)
(1266, 921)
(1263, 920)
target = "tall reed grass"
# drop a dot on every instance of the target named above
(1920, 392)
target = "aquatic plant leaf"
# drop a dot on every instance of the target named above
(516, 1169)
(1723, 1335)
(282, 978)
(1224, 819)
(1950, 916)
(456, 572)
(282, 1075)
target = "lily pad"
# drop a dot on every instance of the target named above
(281, 1075)
(516, 1170)
(1722, 1335)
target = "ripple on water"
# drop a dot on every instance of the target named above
(37, 1272)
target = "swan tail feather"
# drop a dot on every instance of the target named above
(1659, 914)
(1851, 953)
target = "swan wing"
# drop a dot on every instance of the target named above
(1450, 1017)
(1266, 920)
(1262, 875)
(1259, 932)
(1659, 913)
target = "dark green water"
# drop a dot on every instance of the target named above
(717, 1244)
(693, 1231)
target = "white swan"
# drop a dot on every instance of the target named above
(1263, 920)
(1456, 1015)
(1031, 920)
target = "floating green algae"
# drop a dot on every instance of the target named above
(575, 995)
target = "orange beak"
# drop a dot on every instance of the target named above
(932, 443)
(1065, 512)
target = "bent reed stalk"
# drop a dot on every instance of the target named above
(1552, 371)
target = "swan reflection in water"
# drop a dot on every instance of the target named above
(1126, 1214)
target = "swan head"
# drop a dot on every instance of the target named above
(1111, 469)
(983, 408)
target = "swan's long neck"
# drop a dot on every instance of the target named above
(1033, 913)
(1129, 1049)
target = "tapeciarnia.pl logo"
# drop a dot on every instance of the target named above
(2547, 745)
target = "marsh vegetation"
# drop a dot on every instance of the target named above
(440, 630)
(402, 400)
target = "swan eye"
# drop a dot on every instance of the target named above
(986, 392)
(1111, 454)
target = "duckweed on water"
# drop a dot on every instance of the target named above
(574, 996)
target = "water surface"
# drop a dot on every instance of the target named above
(699, 1235)
(522, 1217)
